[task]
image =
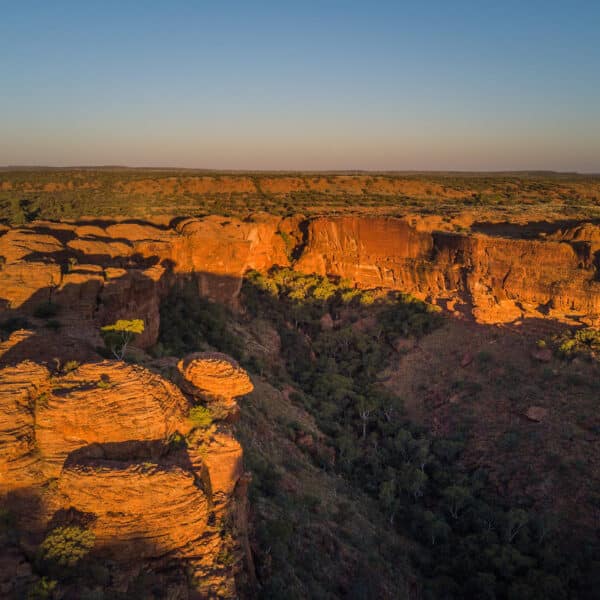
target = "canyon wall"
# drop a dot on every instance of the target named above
(492, 278)
(98, 272)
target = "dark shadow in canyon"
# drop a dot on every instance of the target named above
(529, 230)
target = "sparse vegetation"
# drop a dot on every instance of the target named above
(119, 335)
(201, 417)
(57, 194)
(582, 342)
(465, 539)
(64, 547)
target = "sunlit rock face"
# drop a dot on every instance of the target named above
(492, 278)
(97, 274)
(214, 375)
(102, 447)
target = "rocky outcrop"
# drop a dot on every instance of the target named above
(140, 510)
(103, 446)
(96, 274)
(99, 273)
(107, 403)
(214, 375)
(494, 279)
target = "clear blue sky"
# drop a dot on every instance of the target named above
(302, 85)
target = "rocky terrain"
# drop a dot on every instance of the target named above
(120, 451)
(101, 448)
(105, 270)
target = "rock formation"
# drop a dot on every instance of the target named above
(214, 375)
(97, 274)
(103, 447)
(494, 279)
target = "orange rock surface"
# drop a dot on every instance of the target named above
(95, 445)
(215, 375)
(107, 402)
(495, 279)
(141, 510)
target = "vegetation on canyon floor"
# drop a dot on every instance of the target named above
(403, 499)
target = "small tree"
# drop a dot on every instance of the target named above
(118, 335)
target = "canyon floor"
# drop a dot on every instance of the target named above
(347, 385)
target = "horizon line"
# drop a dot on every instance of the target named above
(299, 171)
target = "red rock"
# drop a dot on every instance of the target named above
(214, 375)
(107, 402)
(536, 413)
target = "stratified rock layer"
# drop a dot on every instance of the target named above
(20, 386)
(495, 279)
(107, 402)
(141, 510)
(102, 445)
(214, 374)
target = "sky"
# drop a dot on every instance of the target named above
(380, 85)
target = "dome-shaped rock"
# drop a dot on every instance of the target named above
(140, 510)
(107, 402)
(215, 375)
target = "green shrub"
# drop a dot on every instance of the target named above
(583, 342)
(43, 589)
(118, 335)
(69, 366)
(201, 417)
(64, 547)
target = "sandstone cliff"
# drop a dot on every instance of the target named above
(102, 447)
(494, 279)
(97, 273)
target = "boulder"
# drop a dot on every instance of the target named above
(214, 375)
(536, 413)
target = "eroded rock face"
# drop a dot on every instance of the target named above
(214, 374)
(96, 274)
(141, 510)
(102, 446)
(122, 270)
(20, 386)
(494, 279)
(107, 402)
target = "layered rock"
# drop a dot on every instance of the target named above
(107, 402)
(214, 375)
(493, 278)
(20, 387)
(97, 274)
(102, 446)
(140, 510)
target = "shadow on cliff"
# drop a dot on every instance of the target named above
(117, 569)
(529, 230)
(61, 323)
